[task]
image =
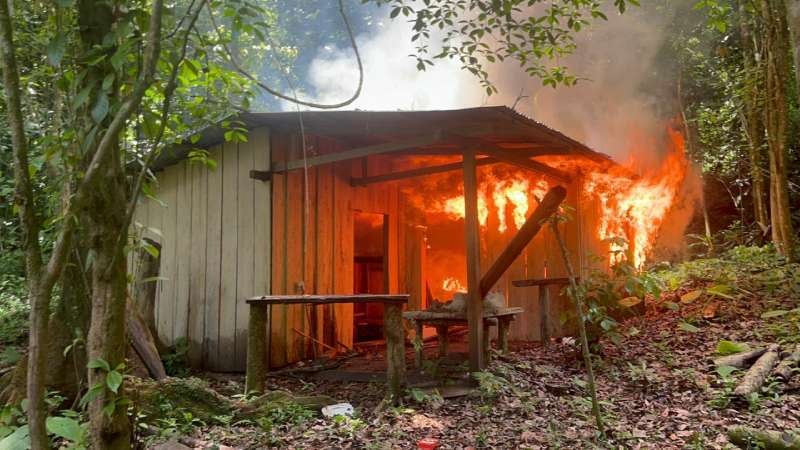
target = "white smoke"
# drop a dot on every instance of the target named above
(607, 110)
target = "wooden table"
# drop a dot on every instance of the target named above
(258, 366)
(544, 300)
(442, 320)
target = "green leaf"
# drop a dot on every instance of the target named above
(114, 381)
(55, 50)
(686, 326)
(729, 347)
(99, 363)
(725, 371)
(100, 109)
(66, 428)
(18, 440)
(774, 313)
(91, 394)
(691, 296)
(109, 409)
(672, 305)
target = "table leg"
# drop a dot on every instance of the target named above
(418, 344)
(257, 365)
(544, 313)
(441, 334)
(502, 333)
(395, 350)
(486, 342)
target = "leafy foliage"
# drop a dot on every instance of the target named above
(534, 33)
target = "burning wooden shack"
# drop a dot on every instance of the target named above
(360, 202)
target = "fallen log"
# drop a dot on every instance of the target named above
(739, 360)
(746, 437)
(758, 373)
(143, 342)
(786, 367)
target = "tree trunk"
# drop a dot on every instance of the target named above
(794, 28)
(106, 210)
(752, 116)
(776, 114)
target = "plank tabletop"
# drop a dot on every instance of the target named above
(542, 281)
(327, 299)
(460, 315)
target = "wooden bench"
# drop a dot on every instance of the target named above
(258, 366)
(544, 300)
(442, 320)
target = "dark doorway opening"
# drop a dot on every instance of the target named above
(370, 273)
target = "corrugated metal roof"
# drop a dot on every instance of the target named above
(496, 124)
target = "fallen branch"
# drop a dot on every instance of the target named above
(739, 360)
(758, 373)
(786, 367)
(746, 437)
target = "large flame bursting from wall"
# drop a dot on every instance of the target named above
(632, 208)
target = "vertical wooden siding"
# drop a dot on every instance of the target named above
(214, 228)
(327, 253)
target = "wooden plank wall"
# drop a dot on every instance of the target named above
(214, 228)
(315, 256)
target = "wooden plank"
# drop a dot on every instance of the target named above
(262, 230)
(343, 251)
(213, 263)
(320, 299)
(197, 264)
(474, 297)
(293, 270)
(166, 304)
(277, 329)
(244, 256)
(541, 281)
(183, 246)
(324, 266)
(228, 295)
(359, 152)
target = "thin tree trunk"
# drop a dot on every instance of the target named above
(776, 114)
(39, 296)
(752, 117)
(587, 355)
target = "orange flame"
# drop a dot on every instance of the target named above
(635, 209)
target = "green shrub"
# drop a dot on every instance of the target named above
(13, 310)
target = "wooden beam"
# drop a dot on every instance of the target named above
(472, 230)
(526, 233)
(520, 161)
(359, 152)
(420, 172)
(510, 157)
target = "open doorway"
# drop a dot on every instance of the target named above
(370, 273)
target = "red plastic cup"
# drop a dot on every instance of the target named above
(428, 443)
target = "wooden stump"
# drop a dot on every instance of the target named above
(395, 350)
(257, 364)
(418, 344)
(544, 313)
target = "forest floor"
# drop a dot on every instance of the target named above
(658, 386)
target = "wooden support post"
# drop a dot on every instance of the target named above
(474, 297)
(395, 350)
(441, 334)
(526, 233)
(544, 313)
(418, 344)
(257, 364)
(502, 333)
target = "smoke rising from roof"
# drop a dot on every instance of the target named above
(607, 110)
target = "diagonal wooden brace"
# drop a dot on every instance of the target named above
(526, 233)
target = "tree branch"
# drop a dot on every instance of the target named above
(232, 60)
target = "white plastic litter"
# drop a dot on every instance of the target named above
(339, 409)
